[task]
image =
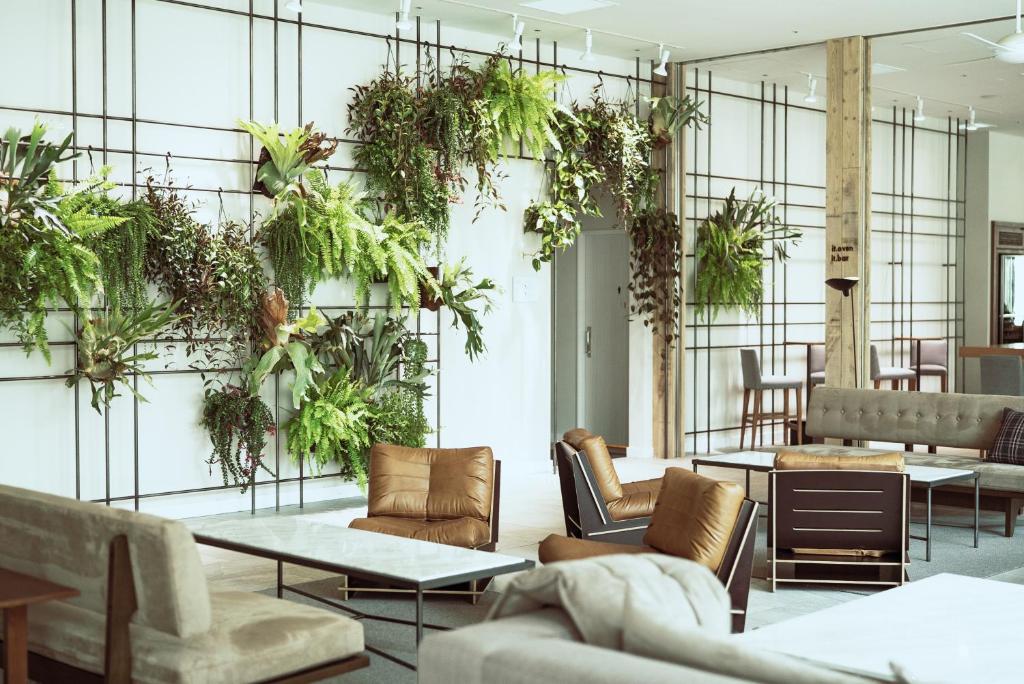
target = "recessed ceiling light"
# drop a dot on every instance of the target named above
(567, 6)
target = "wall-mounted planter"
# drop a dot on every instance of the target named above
(426, 301)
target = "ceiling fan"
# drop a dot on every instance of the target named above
(1008, 49)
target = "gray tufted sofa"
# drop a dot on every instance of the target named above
(963, 421)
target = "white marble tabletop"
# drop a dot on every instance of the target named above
(412, 561)
(944, 628)
(764, 460)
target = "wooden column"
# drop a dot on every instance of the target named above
(669, 361)
(848, 210)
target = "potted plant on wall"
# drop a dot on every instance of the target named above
(455, 289)
(730, 253)
(238, 424)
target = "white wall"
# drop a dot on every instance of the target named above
(995, 176)
(193, 67)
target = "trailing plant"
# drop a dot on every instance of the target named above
(656, 267)
(571, 176)
(238, 423)
(284, 161)
(122, 254)
(670, 114)
(215, 274)
(620, 147)
(730, 253)
(456, 290)
(106, 350)
(333, 425)
(401, 167)
(286, 347)
(398, 412)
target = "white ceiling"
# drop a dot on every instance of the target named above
(698, 29)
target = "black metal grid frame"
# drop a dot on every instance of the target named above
(775, 322)
(77, 114)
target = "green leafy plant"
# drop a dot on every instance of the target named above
(238, 424)
(670, 114)
(403, 265)
(286, 347)
(45, 257)
(620, 147)
(401, 167)
(106, 350)
(398, 411)
(284, 161)
(215, 274)
(656, 269)
(26, 161)
(730, 253)
(333, 425)
(456, 290)
(521, 106)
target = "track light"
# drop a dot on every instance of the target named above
(812, 90)
(588, 54)
(517, 37)
(919, 114)
(404, 23)
(972, 120)
(663, 55)
(294, 6)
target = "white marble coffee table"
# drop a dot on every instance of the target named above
(410, 564)
(945, 628)
(926, 477)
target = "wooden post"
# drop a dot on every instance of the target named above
(848, 210)
(668, 432)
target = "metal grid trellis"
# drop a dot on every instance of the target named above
(894, 223)
(105, 118)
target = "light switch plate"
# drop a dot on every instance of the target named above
(524, 289)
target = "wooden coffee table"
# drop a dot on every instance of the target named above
(17, 593)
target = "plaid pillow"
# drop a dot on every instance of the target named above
(1008, 446)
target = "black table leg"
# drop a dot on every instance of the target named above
(928, 529)
(977, 506)
(419, 615)
(280, 578)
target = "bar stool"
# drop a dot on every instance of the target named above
(816, 364)
(892, 374)
(1002, 375)
(755, 384)
(934, 357)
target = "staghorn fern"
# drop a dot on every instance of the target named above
(333, 425)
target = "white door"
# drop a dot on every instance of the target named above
(603, 300)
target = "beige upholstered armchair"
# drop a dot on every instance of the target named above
(447, 496)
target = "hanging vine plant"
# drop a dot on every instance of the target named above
(656, 267)
(238, 424)
(730, 254)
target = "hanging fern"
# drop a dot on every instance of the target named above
(404, 266)
(521, 106)
(332, 425)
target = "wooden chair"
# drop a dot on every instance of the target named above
(754, 386)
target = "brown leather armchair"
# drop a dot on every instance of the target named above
(698, 518)
(623, 501)
(447, 496)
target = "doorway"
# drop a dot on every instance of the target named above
(592, 335)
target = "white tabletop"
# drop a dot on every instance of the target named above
(945, 628)
(407, 560)
(764, 460)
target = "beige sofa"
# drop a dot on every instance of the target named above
(933, 419)
(180, 631)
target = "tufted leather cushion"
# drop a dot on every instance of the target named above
(694, 517)
(966, 421)
(431, 484)
(1008, 446)
(555, 548)
(600, 460)
(800, 460)
(465, 532)
(575, 437)
(637, 500)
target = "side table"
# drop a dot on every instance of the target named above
(17, 593)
